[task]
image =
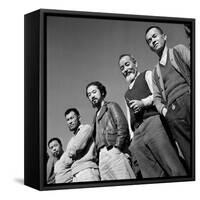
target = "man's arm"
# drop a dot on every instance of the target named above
(131, 133)
(184, 53)
(50, 169)
(157, 96)
(80, 141)
(148, 100)
(121, 125)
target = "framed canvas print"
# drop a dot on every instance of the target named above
(109, 99)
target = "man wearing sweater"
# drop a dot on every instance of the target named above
(171, 88)
(55, 152)
(80, 155)
(151, 145)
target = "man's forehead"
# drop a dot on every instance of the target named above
(125, 58)
(152, 31)
(92, 87)
(53, 142)
(72, 113)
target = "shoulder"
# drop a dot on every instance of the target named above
(180, 48)
(84, 127)
(147, 72)
(112, 104)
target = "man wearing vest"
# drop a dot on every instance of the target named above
(171, 87)
(151, 145)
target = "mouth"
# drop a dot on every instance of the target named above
(94, 100)
(128, 72)
(156, 45)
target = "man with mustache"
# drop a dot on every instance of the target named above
(150, 143)
(111, 135)
(80, 155)
(56, 151)
(171, 86)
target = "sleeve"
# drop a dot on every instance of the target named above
(148, 100)
(50, 168)
(157, 96)
(80, 141)
(184, 53)
(129, 121)
(121, 125)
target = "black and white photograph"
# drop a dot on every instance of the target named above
(119, 96)
(116, 100)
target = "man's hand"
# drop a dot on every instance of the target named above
(164, 111)
(137, 105)
(72, 153)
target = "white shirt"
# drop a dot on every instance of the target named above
(146, 101)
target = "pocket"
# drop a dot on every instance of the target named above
(111, 136)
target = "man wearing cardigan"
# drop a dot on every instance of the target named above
(151, 145)
(171, 88)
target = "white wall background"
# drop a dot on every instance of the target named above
(12, 100)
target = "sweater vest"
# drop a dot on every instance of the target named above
(140, 90)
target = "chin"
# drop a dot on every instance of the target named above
(130, 78)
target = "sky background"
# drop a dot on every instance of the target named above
(81, 50)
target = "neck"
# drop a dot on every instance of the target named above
(136, 75)
(100, 105)
(160, 53)
(76, 130)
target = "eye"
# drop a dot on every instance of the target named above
(122, 67)
(127, 64)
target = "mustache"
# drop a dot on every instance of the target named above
(94, 98)
(129, 71)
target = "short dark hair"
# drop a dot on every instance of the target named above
(55, 138)
(75, 110)
(130, 56)
(156, 27)
(99, 85)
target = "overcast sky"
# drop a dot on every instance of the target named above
(81, 50)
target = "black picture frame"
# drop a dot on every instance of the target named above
(35, 96)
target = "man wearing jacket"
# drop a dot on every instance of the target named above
(171, 88)
(111, 135)
(151, 145)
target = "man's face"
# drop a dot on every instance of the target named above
(55, 148)
(156, 40)
(128, 68)
(73, 121)
(94, 95)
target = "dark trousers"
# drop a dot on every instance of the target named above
(154, 151)
(179, 120)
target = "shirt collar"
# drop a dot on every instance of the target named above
(78, 129)
(131, 85)
(163, 59)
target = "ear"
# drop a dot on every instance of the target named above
(164, 36)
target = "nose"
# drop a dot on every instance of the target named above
(91, 96)
(153, 41)
(70, 121)
(54, 149)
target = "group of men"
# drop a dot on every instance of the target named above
(155, 138)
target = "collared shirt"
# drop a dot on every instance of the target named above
(146, 101)
(163, 59)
